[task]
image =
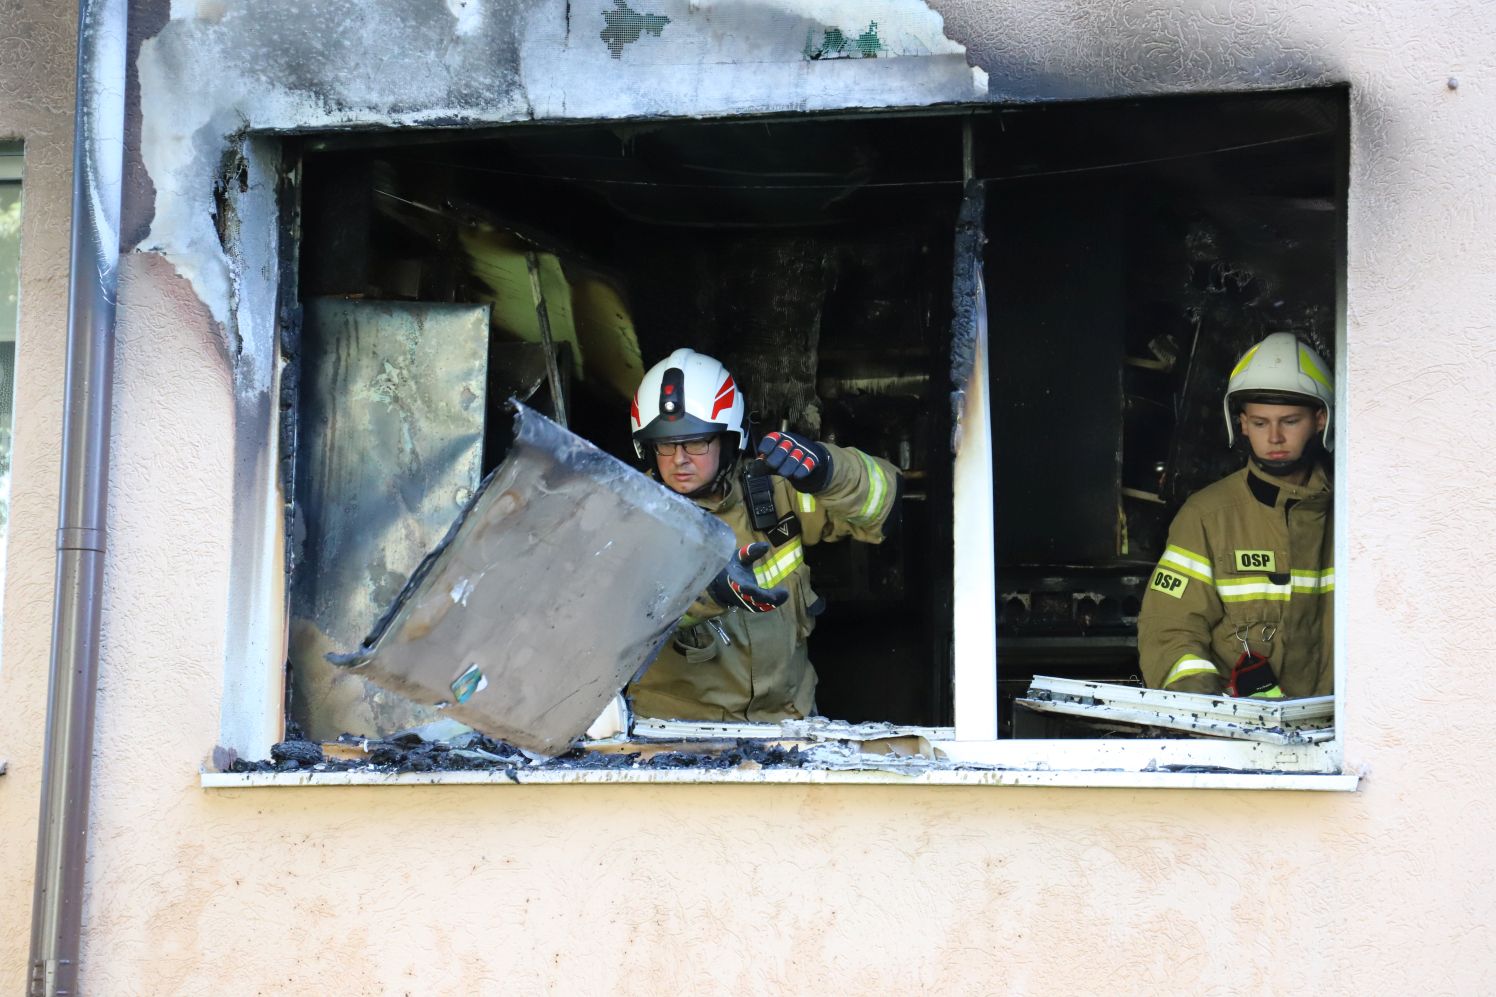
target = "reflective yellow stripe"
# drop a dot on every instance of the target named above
(1272, 692)
(1186, 666)
(687, 621)
(1246, 358)
(1252, 587)
(780, 565)
(877, 493)
(1249, 587)
(807, 501)
(1308, 366)
(1321, 582)
(1257, 597)
(1187, 563)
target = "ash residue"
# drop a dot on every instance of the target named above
(966, 302)
(742, 752)
(471, 751)
(300, 752)
(970, 238)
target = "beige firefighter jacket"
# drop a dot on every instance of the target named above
(733, 665)
(1252, 555)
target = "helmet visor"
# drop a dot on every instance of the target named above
(684, 427)
(1265, 396)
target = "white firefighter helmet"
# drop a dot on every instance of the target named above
(1280, 370)
(685, 396)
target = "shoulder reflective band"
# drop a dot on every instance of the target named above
(1169, 583)
(1256, 560)
(1187, 562)
(1186, 666)
(780, 564)
(807, 501)
(877, 493)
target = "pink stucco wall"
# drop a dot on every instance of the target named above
(772, 889)
(36, 106)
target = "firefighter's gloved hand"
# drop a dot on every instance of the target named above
(800, 460)
(737, 586)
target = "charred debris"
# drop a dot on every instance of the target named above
(1128, 250)
(412, 751)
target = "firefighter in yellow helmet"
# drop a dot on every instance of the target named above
(1240, 602)
(740, 652)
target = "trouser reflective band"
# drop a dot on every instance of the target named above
(1186, 666)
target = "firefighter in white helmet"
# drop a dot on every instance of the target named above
(1240, 600)
(740, 652)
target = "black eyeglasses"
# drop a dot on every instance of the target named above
(696, 448)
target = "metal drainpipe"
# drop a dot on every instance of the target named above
(62, 836)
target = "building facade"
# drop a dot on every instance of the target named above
(400, 888)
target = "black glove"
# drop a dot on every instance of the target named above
(737, 586)
(801, 461)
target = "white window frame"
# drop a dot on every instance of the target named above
(12, 171)
(252, 711)
(977, 661)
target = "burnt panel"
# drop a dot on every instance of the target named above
(1055, 280)
(391, 439)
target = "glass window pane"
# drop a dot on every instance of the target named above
(10, 259)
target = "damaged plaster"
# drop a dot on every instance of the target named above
(330, 66)
(218, 80)
(626, 26)
(1059, 50)
(837, 44)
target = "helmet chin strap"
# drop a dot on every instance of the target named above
(718, 484)
(1278, 468)
(1283, 468)
(705, 491)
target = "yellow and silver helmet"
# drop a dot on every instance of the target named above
(1280, 370)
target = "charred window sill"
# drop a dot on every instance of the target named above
(816, 750)
(953, 776)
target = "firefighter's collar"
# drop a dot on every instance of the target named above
(722, 503)
(1272, 491)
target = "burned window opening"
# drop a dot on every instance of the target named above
(1135, 289)
(1131, 246)
(812, 257)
